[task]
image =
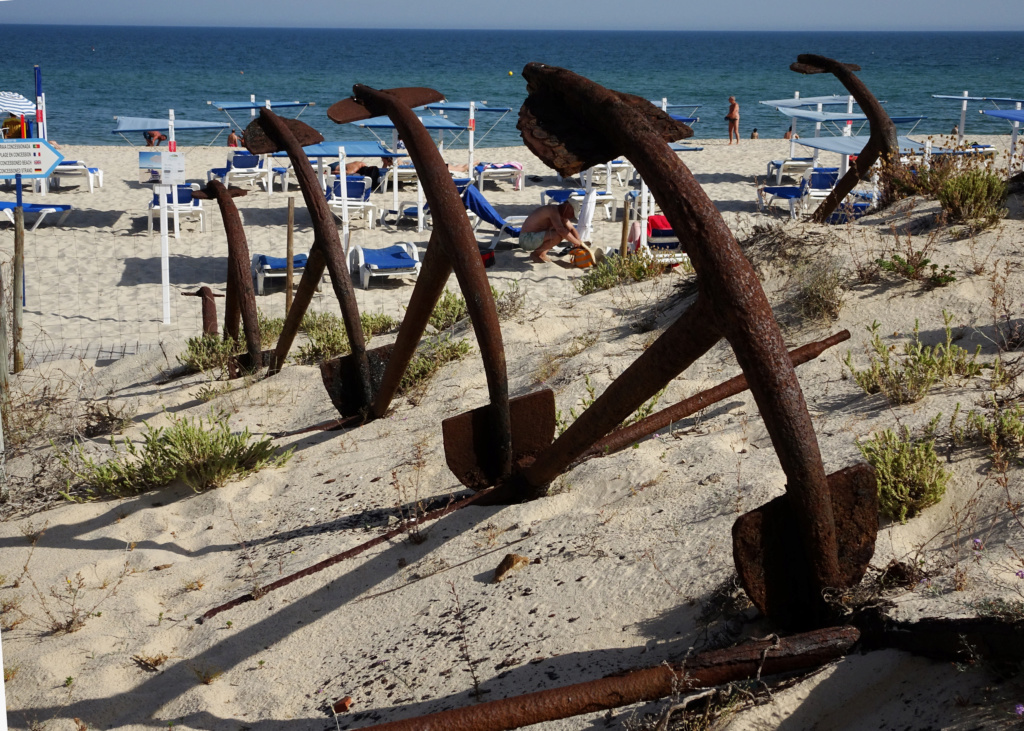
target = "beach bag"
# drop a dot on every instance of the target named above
(488, 258)
(581, 256)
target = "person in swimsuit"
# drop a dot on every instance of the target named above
(547, 226)
(733, 118)
(753, 135)
(154, 138)
(233, 139)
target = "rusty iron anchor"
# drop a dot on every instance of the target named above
(572, 123)
(481, 445)
(882, 141)
(241, 297)
(270, 133)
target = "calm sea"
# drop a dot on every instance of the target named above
(91, 74)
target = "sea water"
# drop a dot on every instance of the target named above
(93, 73)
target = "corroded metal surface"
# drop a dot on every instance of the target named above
(241, 296)
(622, 438)
(772, 561)
(730, 304)
(452, 247)
(882, 141)
(756, 659)
(209, 308)
(271, 133)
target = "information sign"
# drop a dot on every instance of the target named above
(31, 158)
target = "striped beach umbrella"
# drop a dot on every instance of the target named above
(16, 104)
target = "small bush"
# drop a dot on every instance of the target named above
(974, 197)
(208, 352)
(203, 453)
(377, 323)
(616, 270)
(817, 292)
(906, 379)
(429, 360)
(910, 475)
(1002, 431)
(270, 329)
(450, 309)
(327, 338)
(508, 302)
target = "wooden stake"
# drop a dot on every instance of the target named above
(291, 254)
(19, 287)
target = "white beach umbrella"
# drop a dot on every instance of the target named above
(16, 104)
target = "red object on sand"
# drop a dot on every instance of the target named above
(343, 705)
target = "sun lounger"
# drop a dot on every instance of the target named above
(264, 267)
(480, 208)
(243, 167)
(793, 165)
(187, 207)
(42, 209)
(357, 197)
(500, 171)
(76, 168)
(663, 246)
(561, 195)
(398, 260)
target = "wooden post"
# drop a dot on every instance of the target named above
(19, 288)
(291, 253)
(624, 245)
(5, 389)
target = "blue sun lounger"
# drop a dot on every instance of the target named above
(485, 213)
(400, 259)
(264, 267)
(40, 208)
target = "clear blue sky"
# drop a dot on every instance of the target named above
(898, 15)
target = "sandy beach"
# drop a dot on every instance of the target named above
(629, 558)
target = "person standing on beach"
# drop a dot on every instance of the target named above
(733, 118)
(232, 139)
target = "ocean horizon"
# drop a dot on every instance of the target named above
(93, 73)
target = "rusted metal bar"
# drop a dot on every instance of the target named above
(882, 141)
(241, 297)
(455, 238)
(730, 294)
(209, 308)
(350, 553)
(753, 660)
(622, 438)
(270, 133)
(686, 340)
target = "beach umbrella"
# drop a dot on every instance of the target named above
(16, 104)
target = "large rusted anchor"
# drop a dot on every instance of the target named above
(481, 445)
(270, 133)
(571, 123)
(241, 298)
(882, 141)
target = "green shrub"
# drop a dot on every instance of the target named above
(450, 309)
(615, 270)
(208, 352)
(910, 475)
(1002, 431)
(429, 359)
(203, 453)
(377, 323)
(508, 302)
(270, 329)
(327, 338)
(906, 379)
(974, 197)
